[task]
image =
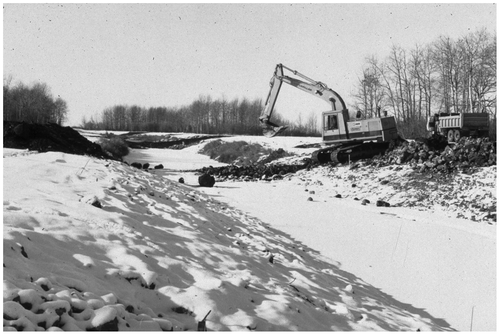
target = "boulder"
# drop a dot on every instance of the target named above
(92, 200)
(136, 165)
(159, 166)
(381, 203)
(206, 180)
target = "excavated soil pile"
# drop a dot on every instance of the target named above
(435, 154)
(138, 140)
(48, 137)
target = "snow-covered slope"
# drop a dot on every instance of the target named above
(94, 244)
(435, 247)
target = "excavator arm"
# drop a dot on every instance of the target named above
(316, 88)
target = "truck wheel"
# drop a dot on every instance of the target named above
(456, 135)
(450, 135)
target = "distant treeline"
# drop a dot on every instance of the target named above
(32, 104)
(205, 115)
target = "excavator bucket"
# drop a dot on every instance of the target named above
(270, 129)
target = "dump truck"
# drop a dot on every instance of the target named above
(456, 125)
(344, 139)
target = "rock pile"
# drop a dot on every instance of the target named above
(435, 154)
(252, 172)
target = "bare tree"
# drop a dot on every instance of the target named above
(32, 104)
(371, 93)
(60, 111)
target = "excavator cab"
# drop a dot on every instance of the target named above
(334, 125)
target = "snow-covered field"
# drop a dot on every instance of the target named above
(158, 254)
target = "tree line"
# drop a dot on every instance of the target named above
(204, 115)
(446, 76)
(33, 103)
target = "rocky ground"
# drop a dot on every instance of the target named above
(469, 196)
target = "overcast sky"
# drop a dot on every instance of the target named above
(95, 56)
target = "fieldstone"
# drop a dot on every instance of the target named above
(136, 165)
(206, 180)
(181, 180)
(94, 201)
(381, 203)
(271, 259)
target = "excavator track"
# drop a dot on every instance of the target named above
(349, 152)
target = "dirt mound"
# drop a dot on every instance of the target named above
(48, 137)
(143, 141)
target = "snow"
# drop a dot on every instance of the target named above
(445, 265)
(160, 255)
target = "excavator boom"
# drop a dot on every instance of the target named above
(310, 86)
(270, 129)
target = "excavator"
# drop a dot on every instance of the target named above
(343, 140)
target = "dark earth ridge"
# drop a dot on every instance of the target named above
(49, 137)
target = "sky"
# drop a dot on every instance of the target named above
(95, 56)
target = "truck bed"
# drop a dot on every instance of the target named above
(465, 121)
